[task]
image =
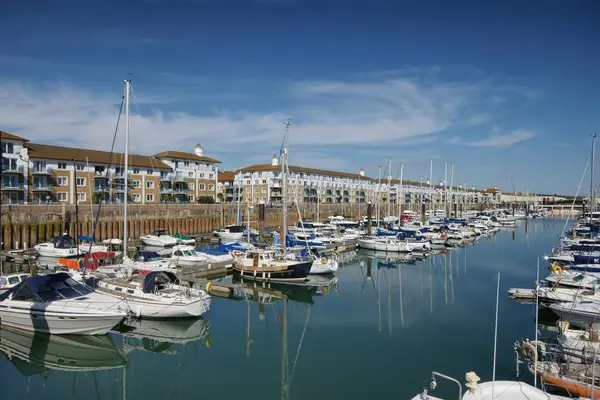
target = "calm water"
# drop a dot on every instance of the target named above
(377, 333)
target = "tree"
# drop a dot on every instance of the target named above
(205, 200)
(98, 197)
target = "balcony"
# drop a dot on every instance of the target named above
(42, 187)
(180, 178)
(11, 186)
(100, 175)
(166, 190)
(101, 188)
(42, 171)
(180, 190)
(13, 169)
(166, 177)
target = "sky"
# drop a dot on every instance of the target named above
(506, 91)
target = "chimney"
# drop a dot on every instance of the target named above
(199, 150)
(275, 160)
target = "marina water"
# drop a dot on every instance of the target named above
(378, 332)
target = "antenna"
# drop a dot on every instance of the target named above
(496, 335)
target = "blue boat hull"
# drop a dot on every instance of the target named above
(293, 273)
(586, 267)
(583, 259)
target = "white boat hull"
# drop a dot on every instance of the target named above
(48, 250)
(229, 237)
(320, 268)
(383, 246)
(158, 242)
(59, 323)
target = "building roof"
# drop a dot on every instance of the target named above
(6, 135)
(292, 168)
(187, 156)
(226, 176)
(93, 156)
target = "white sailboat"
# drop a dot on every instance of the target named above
(159, 294)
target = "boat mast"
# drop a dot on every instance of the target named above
(431, 199)
(127, 85)
(401, 202)
(592, 199)
(389, 188)
(452, 191)
(378, 195)
(283, 159)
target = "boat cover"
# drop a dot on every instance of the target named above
(41, 284)
(160, 277)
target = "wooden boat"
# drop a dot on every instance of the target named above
(263, 265)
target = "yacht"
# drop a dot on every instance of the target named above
(230, 234)
(57, 304)
(160, 238)
(61, 246)
(11, 280)
(158, 294)
(385, 243)
(185, 256)
(184, 239)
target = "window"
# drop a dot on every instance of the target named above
(80, 167)
(264, 181)
(264, 190)
(62, 181)
(9, 164)
(190, 186)
(80, 182)
(150, 185)
(190, 174)
(61, 196)
(248, 182)
(7, 148)
(202, 186)
(197, 163)
(136, 171)
(137, 197)
(176, 164)
(191, 198)
(137, 184)
(211, 187)
(186, 163)
(80, 196)
(211, 176)
(202, 175)
(62, 165)
(150, 197)
(149, 171)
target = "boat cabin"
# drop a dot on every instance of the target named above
(11, 280)
(160, 232)
(147, 256)
(63, 242)
(51, 287)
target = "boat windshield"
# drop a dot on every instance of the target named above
(189, 253)
(50, 287)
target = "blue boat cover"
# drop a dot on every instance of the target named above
(143, 255)
(85, 238)
(160, 277)
(41, 285)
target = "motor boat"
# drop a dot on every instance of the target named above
(57, 304)
(230, 234)
(185, 256)
(385, 243)
(160, 238)
(60, 246)
(158, 294)
(265, 265)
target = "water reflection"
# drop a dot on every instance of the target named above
(37, 353)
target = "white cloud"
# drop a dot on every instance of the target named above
(504, 139)
(380, 111)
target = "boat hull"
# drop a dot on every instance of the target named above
(320, 268)
(59, 322)
(229, 237)
(292, 273)
(47, 251)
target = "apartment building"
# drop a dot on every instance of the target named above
(14, 164)
(66, 174)
(262, 183)
(193, 176)
(227, 190)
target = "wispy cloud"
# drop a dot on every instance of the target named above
(504, 139)
(376, 112)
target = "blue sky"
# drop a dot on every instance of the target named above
(495, 87)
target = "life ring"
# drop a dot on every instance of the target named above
(237, 253)
(323, 260)
(208, 287)
(529, 351)
(555, 268)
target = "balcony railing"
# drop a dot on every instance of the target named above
(101, 188)
(100, 174)
(42, 187)
(13, 170)
(166, 177)
(180, 178)
(166, 190)
(11, 186)
(42, 171)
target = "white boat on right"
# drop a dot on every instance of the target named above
(385, 243)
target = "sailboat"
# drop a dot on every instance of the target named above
(159, 294)
(268, 265)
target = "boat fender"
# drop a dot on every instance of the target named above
(556, 269)
(529, 351)
(208, 287)
(323, 260)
